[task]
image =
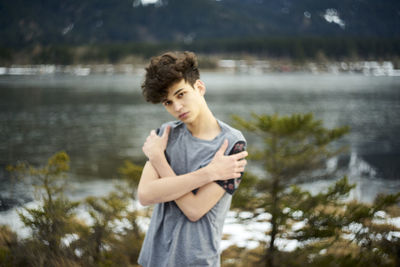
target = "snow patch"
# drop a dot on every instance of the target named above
(67, 29)
(332, 16)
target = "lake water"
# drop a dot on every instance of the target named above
(101, 120)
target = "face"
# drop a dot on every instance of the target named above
(185, 102)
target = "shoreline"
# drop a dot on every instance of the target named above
(234, 66)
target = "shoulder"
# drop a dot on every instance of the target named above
(237, 141)
(233, 134)
(176, 126)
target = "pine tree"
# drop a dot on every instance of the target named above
(296, 148)
(112, 236)
(55, 216)
(330, 229)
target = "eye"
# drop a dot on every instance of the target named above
(181, 94)
(167, 103)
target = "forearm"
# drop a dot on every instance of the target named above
(162, 167)
(152, 189)
(193, 206)
(171, 187)
(165, 171)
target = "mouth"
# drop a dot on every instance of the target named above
(183, 115)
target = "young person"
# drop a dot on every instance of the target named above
(194, 166)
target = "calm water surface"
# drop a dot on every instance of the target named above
(102, 120)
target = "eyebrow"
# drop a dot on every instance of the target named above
(176, 92)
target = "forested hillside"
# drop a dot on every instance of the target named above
(104, 21)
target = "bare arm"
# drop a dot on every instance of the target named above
(194, 206)
(154, 190)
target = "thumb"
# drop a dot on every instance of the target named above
(223, 147)
(166, 132)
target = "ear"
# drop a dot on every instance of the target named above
(199, 84)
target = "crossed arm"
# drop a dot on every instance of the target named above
(159, 183)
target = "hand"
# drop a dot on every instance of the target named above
(155, 145)
(227, 167)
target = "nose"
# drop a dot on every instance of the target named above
(177, 106)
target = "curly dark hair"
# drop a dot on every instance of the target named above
(167, 69)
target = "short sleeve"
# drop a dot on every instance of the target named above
(231, 185)
(161, 129)
(159, 132)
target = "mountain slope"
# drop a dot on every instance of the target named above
(104, 21)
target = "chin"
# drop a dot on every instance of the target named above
(187, 120)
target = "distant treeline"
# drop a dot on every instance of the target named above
(294, 48)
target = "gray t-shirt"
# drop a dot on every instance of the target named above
(173, 240)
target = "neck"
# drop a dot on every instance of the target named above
(205, 126)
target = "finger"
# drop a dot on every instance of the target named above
(240, 169)
(153, 132)
(240, 155)
(223, 147)
(242, 163)
(237, 175)
(166, 132)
